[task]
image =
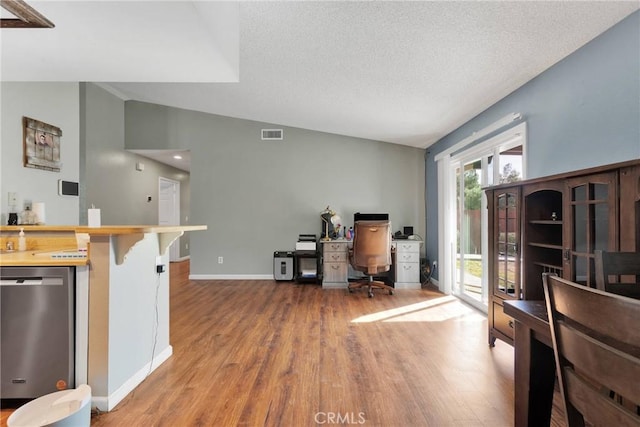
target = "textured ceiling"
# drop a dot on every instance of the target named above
(401, 72)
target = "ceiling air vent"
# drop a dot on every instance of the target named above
(271, 134)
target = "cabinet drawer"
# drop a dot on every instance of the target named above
(335, 247)
(340, 257)
(501, 321)
(412, 257)
(408, 272)
(335, 272)
(402, 247)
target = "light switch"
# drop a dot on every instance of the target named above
(13, 198)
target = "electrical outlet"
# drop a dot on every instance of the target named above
(435, 264)
(220, 260)
(186, 246)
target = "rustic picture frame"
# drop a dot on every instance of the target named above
(41, 145)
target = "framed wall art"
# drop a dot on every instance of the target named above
(41, 145)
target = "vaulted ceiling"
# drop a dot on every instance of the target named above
(402, 72)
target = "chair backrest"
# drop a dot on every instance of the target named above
(372, 246)
(625, 266)
(596, 343)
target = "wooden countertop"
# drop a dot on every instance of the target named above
(105, 229)
(38, 258)
(45, 240)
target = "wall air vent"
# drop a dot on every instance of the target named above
(272, 134)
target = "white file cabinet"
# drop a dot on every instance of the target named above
(407, 265)
(335, 264)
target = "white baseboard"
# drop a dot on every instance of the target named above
(184, 258)
(436, 283)
(107, 403)
(231, 277)
(407, 285)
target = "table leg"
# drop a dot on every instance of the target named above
(534, 379)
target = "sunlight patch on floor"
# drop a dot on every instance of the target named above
(433, 310)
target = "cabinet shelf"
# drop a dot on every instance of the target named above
(546, 221)
(545, 245)
(589, 202)
(548, 266)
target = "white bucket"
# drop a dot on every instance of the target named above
(67, 408)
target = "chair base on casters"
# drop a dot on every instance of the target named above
(370, 285)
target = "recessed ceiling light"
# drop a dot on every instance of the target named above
(177, 157)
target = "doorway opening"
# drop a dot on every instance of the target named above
(169, 210)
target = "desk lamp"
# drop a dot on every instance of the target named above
(329, 216)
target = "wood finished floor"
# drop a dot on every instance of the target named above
(264, 353)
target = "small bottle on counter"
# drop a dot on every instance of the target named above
(22, 241)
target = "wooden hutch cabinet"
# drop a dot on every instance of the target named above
(554, 224)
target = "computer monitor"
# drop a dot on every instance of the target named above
(370, 217)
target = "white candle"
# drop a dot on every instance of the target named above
(94, 217)
(38, 210)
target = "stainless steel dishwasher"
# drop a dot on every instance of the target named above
(37, 339)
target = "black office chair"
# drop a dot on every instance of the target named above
(371, 254)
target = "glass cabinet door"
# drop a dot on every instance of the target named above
(506, 282)
(592, 210)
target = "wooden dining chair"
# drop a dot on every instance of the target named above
(597, 350)
(624, 266)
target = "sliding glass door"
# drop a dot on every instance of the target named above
(471, 221)
(471, 171)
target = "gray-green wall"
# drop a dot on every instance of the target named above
(257, 196)
(112, 182)
(55, 104)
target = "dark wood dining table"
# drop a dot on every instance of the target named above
(534, 363)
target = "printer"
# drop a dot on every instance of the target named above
(306, 242)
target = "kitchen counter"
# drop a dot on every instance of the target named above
(105, 229)
(45, 240)
(122, 298)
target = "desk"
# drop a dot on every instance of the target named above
(534, 363)
(406, 263)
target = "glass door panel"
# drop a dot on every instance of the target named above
(593, 212)
(469, 264)
(457, 286)
(507, 266)
(580, 223)
(601, 227)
